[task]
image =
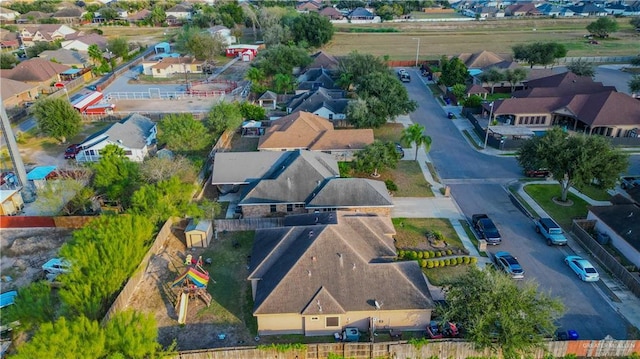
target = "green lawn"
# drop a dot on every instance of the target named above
(471, 235)
(595, 193)
(409, 178)
(497, 96)
(410, 232)
(543, 194)
(388, 132)
(441, 275)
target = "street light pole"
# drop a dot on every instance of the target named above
(486, 136)
(417, 50)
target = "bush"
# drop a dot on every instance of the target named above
(429, 264)
(449, 252)
(459, 260)
(425, 254)
(466, 260)
(414, 255)
(391, 186)
(438, 254)
(401, 254)
(432, 254)
(423, 263)
(436, 264)
(474, 260)
(443, 253)
(439, 236)
(447, 262)
(442, 264)
(420, 256)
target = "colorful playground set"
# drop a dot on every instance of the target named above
(192, 283)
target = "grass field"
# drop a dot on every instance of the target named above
(438, 38)
(543, 194)
(411, 232)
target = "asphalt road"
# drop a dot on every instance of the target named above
(477, 184)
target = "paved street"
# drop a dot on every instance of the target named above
(477, 182)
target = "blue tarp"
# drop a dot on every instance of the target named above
(71, 72)
(162, 47)
(474, 72)
(7, 298)
(40, 173)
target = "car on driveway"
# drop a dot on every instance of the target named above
(583, 269)
(72, 151)
(486, 229)
(551, 231)
(399, 150)
(539, 173)
(509, 264)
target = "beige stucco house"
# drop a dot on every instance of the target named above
(340, 267)
(172, 66)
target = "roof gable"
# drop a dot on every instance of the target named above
(35, 70)
(624, 219)
(131, 132)
(350, 193)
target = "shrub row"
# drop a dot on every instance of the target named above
(405, 254)
(437, 263)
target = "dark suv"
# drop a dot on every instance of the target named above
(72, 151)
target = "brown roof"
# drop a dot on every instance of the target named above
(305, 130)
(334, 268)
(10, 88)
(476, 89)
(534, 105)
(483, 59)
(35, 70)
(606, 108)
(322, 60)
(330, 11)
(140, 15)
(562, 79)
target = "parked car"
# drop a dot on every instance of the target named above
(56, 266)
(541, 172)
(629, 181)
(400, 150)
(486, 229)
(509, 264)
(583, 269)
(72, 151)
(551, 231)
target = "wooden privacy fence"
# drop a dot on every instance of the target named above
(400, 350)
(246, 224)
(122, 300)
(579, 229)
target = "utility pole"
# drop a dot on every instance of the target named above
(12, 146)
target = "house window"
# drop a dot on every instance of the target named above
(331, 116)
(519, 120)
(128, 153)
(272, 208)
(157, 71)
(299, 205)
(289, 207)
(543, 120)
(198, 68)
(332, 322)
(315, 319)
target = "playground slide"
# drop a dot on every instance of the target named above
(182, 312)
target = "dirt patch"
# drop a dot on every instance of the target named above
(24, 251)
(180, 104)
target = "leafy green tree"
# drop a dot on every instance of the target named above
(158, 15)
(33, 306)
(257, 78)
(634, 84)
(459, 91)
(497, 313)
(355, 66)
(539, 53)
(281, 59)
(224, 116)
(103, 255)
(57, 118)
(313, 29)
(473, 101)
(515, 76)
(603, 27)
(7, 60)
(115, 175)
(54, 196)
(108, 13)
(201, 45)
(414, 134)
(156, 169)
(95, 54)
(157, 202)
(376, 156)
(576, 160)
(250, 111)
(386, 97)
(119, 46)
(80, 338)
(492, 76)
(582, 68)
(386, 12)
(453, 71)
(284, 83)
(183, 133)
(358, 114)
(132, 335)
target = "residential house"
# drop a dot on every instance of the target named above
(179, 14)
(32, 17)
(172, 66)
(522, 9)
(484, 12)
(632, 9)
(46, 33)
(9, 40)
(136, 135)
(313, 79)
(322, 60)
(621, 222)
(139, 16)
(573, 102)
(587, 9)
(277, 183)
(15, 93)
(329, 104)
(332, 13)
(66, 57)
(550, 10)
(304, 130)
(485, 60)
(342, 270)
(308, 6)
(82, 43)
(69, 15)
(223, 33)
(8, 15)
(268, 99)
(361, 14)
(36, 71)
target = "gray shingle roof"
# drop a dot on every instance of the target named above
(334, 269)
(131, 132)
(624, 219)
(243, 167)
(350, 193)
(312, 101)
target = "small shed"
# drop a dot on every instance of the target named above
(268, 99)
(162, 48)
(39, 175)
(10, 202)
(247, 56)
(198, 233)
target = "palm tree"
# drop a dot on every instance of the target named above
(95, 54)
(415, 134)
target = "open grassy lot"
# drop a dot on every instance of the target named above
(441, 275)
(407, 176)
(543, 194)
(438, 38)
(411, 232)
